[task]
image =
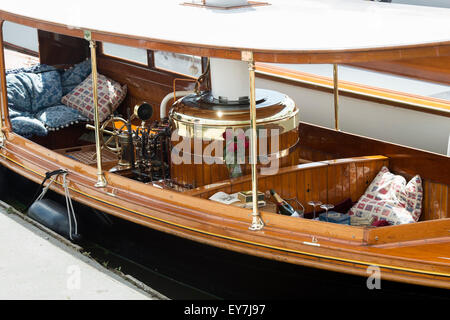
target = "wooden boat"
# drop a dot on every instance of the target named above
(317, 163)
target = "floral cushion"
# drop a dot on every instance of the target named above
(59, 116)
(75, 75)
(28, 126)
(15, 113)
(33, 89)
(37, 68)
(110, 95)
(391, 199)
(19, 95)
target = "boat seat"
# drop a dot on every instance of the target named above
(34, 98)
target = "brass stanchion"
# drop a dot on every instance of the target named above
(101, 181)
(3, 96)
(336, 96)
(257, 222)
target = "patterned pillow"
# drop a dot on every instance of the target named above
(391, 199)
(75, 75)
(60, 116)
(110, 96)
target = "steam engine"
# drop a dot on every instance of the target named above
(195, 130)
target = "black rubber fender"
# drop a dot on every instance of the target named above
(54, 216)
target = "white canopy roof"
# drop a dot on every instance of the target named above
(284, 25)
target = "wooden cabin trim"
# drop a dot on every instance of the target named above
(433, 168)
(436, 201)
(157, 75)
(409, 232)
(435, 49)
(402, 160)
(355, 90)
(41, 25)
(219, 185)
(61, 50)
(144, 84)
(414, 243)
(334, 180)
(430, 69)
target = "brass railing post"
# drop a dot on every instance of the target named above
(336, 96)
(101, 181)
(3, 95)
(257, 222)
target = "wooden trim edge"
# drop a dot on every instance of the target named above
(397, 99)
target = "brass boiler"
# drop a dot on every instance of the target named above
(126, 152)
(207, 118)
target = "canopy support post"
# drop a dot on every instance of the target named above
(3, 96)
(101, 180)
(336, 96)
(257, 222)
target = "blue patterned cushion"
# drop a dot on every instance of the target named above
(37, 68)
(15, 113)
(34, 96)
(19, 95)
(59, 116)
(28, 127)
(47, 90)
(34, 88)
(75, 75)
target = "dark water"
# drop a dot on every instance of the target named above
(186, 270)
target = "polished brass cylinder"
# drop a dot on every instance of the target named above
(126, 149)
(195, 117)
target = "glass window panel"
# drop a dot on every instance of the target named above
(128, 53)
(179, 63)
(21, 36)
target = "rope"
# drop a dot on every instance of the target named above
(48, 175)
(70, 210)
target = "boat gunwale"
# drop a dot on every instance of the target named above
(158, 196)
(88, 174)
(263, 235)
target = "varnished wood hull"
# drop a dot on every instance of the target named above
(405, 255)
(228, 274)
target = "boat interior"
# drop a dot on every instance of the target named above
(329, 166)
